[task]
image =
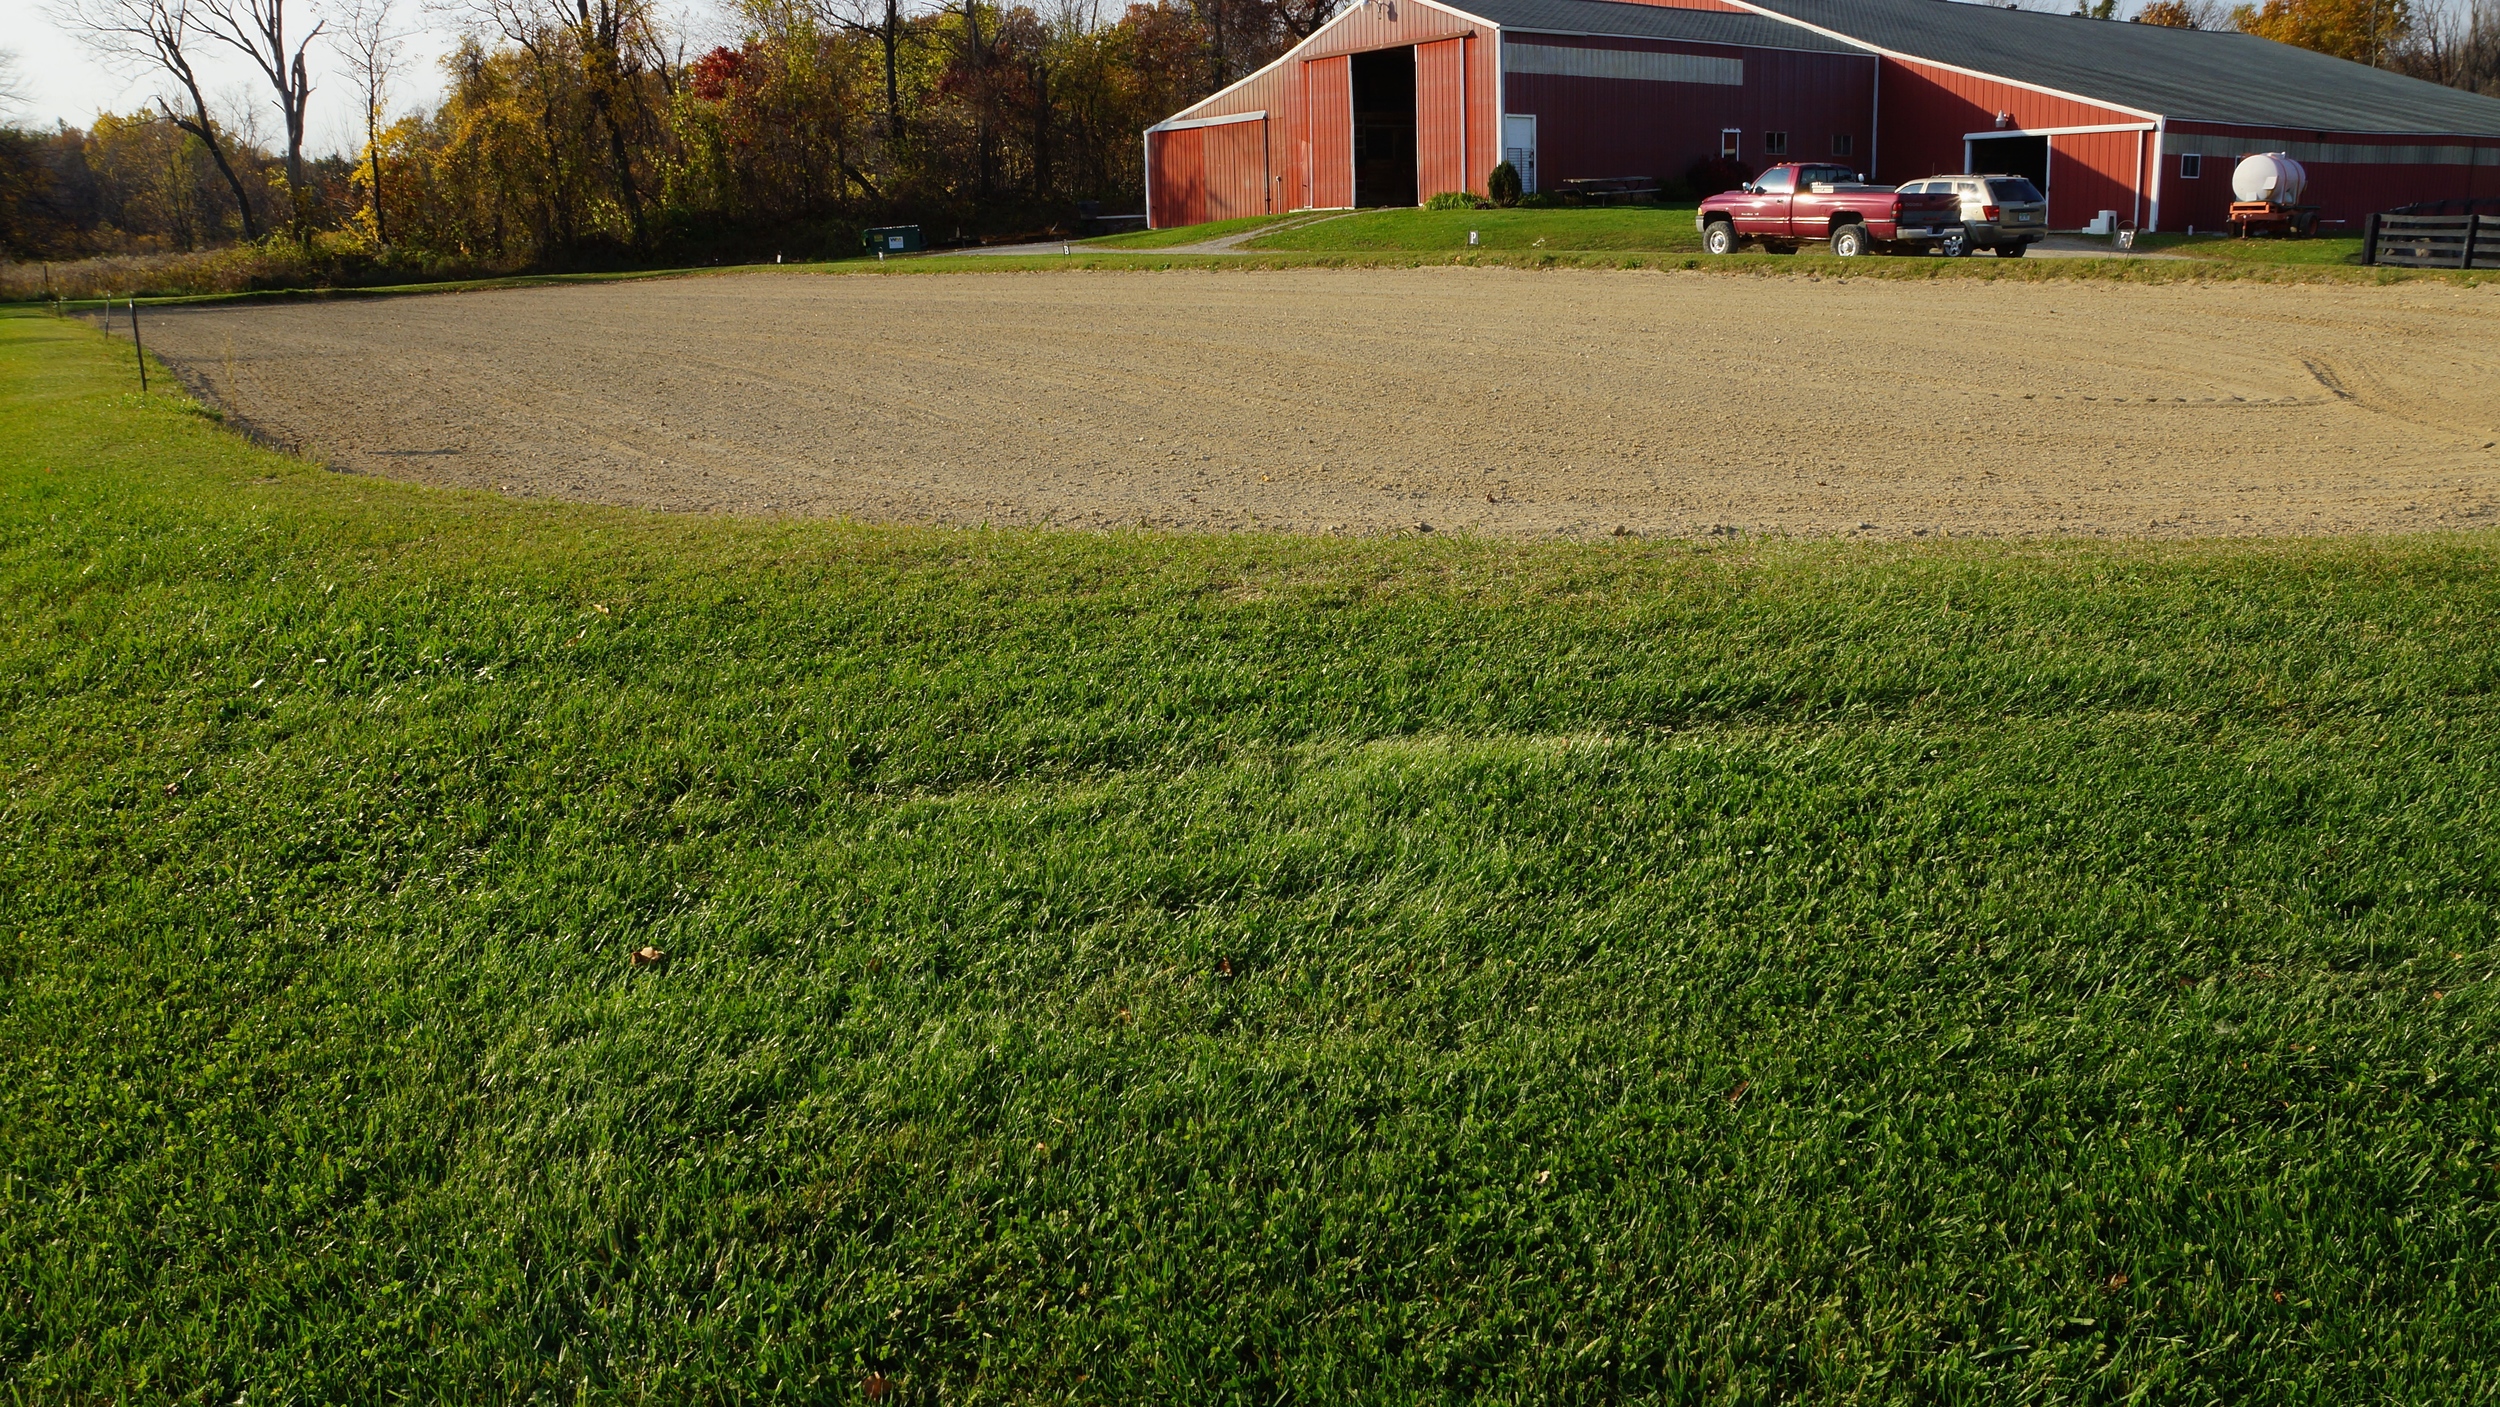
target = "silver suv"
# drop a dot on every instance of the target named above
(2004, 213)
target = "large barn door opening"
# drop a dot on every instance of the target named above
(2009, 156)
(1384, 127)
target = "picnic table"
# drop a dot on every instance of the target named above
(1605, 190)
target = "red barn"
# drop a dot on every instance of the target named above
(1396, 100)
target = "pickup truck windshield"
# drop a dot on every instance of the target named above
(2013, 191)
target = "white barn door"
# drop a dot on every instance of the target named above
(1519, 147)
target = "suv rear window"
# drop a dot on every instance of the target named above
(2015, 191)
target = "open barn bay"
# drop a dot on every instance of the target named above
(1132, 967)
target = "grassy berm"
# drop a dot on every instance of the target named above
(1139, 969)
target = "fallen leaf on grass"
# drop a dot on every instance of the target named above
(1737, 1095)
(649, 957)
(876, 1386)
(2118, 1282)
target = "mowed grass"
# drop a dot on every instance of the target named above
(1666, 228)
(1142, 969)
(2321, 250)
(1180, 234)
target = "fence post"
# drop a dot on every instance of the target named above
(136, 349)
(2369, 239)
(2465, 256)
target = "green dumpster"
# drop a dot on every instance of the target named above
(893, 239)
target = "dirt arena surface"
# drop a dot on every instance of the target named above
(1480, 400)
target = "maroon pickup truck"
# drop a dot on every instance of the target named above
(1787, 206)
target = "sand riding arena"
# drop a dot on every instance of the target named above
(1492, 401)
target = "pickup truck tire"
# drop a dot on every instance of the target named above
(1719, 238)
(1849, 241)
(2016, 250)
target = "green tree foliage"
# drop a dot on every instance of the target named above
(135, 183)
(583, 130)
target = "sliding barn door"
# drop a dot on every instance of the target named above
(1328, 155)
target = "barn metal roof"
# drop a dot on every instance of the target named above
(1637, 21)
(2174, 73)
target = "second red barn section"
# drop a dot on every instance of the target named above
(1395, 101)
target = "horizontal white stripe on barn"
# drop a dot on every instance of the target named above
(2324, 153)
(1622, 63)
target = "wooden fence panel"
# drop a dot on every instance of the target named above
(2432, 241)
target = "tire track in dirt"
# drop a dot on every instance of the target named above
(1499, 401)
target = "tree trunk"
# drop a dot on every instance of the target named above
(373, 149)
(1041, 129)
(294, 101)
(624, 172)
(206, 131)
(893, 91)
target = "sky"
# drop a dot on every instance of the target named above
(66, 82)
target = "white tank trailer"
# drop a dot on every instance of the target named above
(2265, 196)
(2270, 178)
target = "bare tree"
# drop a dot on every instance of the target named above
(372, 49)
(156, 35)
(12, 82)
(256, 29)
(2456, 44)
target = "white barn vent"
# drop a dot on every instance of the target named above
(1622, 63)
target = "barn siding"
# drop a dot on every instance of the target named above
(1176, 186)
(1926, 111)
(1388, 25)
(2344, 192)
(1441, 117)
(1327, 152)
(1308, 158)
(1396, 23)
(1597, 128)
(1236, 157)
(1484, 108)
(2090, 172)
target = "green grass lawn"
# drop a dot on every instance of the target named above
(1183, 234)
(2326, 250)
(1155, 969)
(1622, 227)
